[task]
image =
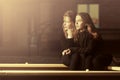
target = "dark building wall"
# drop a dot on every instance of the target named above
(31, 29)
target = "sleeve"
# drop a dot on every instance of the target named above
(89, 48)
(86, 50)
(67, 43)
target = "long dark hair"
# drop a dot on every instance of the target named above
(87, 22)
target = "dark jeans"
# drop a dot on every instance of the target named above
(81, 62)
(101, 61)
(72, 61)
(77, 61)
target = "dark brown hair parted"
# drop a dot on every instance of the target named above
(70, 14)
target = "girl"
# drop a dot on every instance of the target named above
(84, 44)
(80, 43)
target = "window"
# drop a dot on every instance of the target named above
(92, 9)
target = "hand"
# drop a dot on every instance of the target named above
(66, 52)
(70, 33)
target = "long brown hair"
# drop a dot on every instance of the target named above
(70, 14)
(87, 22)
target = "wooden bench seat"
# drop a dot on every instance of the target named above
(27, 66)
(57, 73)
(53, 72)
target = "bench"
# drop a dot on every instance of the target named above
(27, 66)
(53, 72)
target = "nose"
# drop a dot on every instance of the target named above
(76, 23)
(64, 24)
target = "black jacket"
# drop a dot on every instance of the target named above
(84, 45)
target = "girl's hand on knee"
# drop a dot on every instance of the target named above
(66, 52)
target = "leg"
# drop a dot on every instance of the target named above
(82, 61)
(66, 60)
(88, 62)
(75, 62)
(101, 61)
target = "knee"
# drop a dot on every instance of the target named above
(102, 60)
(65, 60)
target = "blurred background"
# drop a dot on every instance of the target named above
(31, 30)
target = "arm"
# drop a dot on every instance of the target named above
(69, 43)
(89, 42)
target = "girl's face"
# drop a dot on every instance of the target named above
(67, 23)
(79, 23)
